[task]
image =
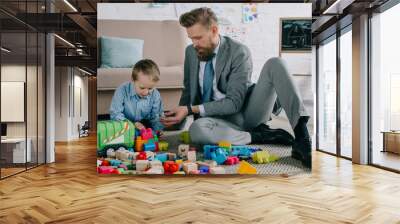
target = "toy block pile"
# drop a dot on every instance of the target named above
(149, 155)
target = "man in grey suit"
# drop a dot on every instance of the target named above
(218, 91)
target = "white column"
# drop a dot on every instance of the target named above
(360, 90)
(50, 100)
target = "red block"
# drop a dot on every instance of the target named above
(232, 160)
(146, 133)
(105, 169)
(141, 156)
(170, 167)
(105, 163)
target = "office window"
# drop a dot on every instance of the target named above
(346, 93)
(22, 92)
(327, 96)
(385, 89)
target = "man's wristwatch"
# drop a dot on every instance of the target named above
(190, 111)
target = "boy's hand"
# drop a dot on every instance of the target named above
(139, 125)
(175, 116)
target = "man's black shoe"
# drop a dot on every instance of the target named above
(301, 150)
(263, 134)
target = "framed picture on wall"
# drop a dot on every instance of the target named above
(295, 35)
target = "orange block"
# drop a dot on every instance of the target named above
(246, 168)
(139, 144)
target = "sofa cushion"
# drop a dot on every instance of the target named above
(111, 78)
(120, 52)
(165, 41)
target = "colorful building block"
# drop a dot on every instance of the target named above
(183, 149)
(204, 169)
(149, 146)
(115, 162)
(209, 163)
(189, 166)
(246, 168)
(155, 170)
(207, 149)
(105, 163)
(162, 157)
(141, 156)
(226, 145)
(217, 170)
(146, 133)
(142, 165)
(105, 169)
(171, 156)
(110, 153)
(163, 145)
(231, 160)
(194, 172)
(219, 155)
(150, 155)
(170, 167)
(263, 157)
(139, 144)
(191, 156)
(123, 154)
(155, 163)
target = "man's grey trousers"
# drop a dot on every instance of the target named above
(274, 81)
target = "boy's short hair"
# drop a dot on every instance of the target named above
(147, 67)
(203, 15)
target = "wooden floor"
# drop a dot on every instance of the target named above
(70, 191)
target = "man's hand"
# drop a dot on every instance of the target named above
(174, 116)
(139, 125)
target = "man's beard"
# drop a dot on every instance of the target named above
(206, 54)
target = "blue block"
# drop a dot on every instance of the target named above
(219, 155)
(204, 169)
(149, 147)
(162, 157)
(115, 162)
(208, 149)
(137, 132)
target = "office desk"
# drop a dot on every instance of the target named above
(13, 150)
(391, 141)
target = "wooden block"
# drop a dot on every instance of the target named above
(183, 149)
(142, 165)
(217, 170)
(188, 167)
(191, 156)
(155, 163)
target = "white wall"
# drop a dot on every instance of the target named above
(69, 79)
(261, 37)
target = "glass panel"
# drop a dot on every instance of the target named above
(31, 100)
(13, 85)
(346, 94)
(385, 84)
(41, 98)
(327, 97)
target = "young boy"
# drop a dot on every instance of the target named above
(138, 100)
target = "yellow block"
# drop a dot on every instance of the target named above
(224, 144)
(246, 168)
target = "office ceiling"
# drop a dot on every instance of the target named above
(76, 21)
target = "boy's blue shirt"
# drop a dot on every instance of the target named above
(127, 104)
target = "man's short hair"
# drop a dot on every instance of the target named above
(147, 67)
(204, 16)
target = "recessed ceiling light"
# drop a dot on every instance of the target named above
(64, 40)
(5, 50)
(84, 71)
(70, 5)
